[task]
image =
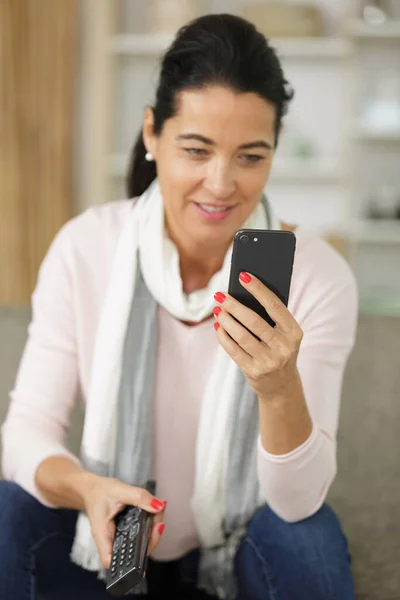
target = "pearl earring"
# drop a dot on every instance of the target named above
(149, 156)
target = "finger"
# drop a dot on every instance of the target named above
(155, 536)
(246, 317)
(242, 336)
(241, 358)
(136, 496)
(104, 533)
(270, 301)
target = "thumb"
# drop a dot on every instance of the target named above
(103, 533)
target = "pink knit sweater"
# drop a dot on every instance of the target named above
(57, 358)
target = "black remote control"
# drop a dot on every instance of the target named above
(129, 556)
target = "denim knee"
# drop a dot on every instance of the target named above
(24, 520)
(321, 529)
(17, 510)
(25, 524)
(19, 515)
(290, 561)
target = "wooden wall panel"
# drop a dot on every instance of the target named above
(38, 98)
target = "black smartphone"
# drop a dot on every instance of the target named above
(269, 256)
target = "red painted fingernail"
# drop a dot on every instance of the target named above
(216, 326)
(245, 277)
(217, 310)
(157, 504)
(161, 527)
(220, 297)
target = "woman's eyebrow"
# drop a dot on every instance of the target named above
(205, 140)
(195, 136)
(257, 144)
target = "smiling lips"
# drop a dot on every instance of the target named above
(213, 208)
(213, 212)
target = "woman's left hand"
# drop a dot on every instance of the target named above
(270, 362)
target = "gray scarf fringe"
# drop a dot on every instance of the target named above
(134, 443)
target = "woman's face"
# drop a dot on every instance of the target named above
(213, 161)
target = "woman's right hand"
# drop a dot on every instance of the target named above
(104, 498)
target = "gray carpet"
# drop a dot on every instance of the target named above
(366, 493)
(367, 490)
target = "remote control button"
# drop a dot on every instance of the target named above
(133, 515)
(133, 530)
(123, 526)
(118, 542)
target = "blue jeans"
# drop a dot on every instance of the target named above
(276, 560)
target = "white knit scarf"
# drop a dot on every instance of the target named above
(144, 236)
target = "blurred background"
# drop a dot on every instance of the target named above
(75, 79)
(77, 75)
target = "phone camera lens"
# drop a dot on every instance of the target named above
(244, 239)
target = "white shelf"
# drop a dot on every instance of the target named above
(310, 171)
(369, 232)
(376, 231)
(357, 28)
(382, 304)
(370, 135)
(140, 44)
(313, 47)
(298, 48)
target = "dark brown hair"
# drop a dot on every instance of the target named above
(218, 49)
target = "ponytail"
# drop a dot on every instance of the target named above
(141, 172)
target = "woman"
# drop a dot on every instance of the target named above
(131, 309)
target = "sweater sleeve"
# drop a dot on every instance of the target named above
(47, 379)
(296, 484)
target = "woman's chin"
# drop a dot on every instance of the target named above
(208, 237)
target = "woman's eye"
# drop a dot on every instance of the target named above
(196, 151)
(252, 158)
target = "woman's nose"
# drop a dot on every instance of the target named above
(220, 180)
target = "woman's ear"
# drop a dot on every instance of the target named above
(149, 138)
